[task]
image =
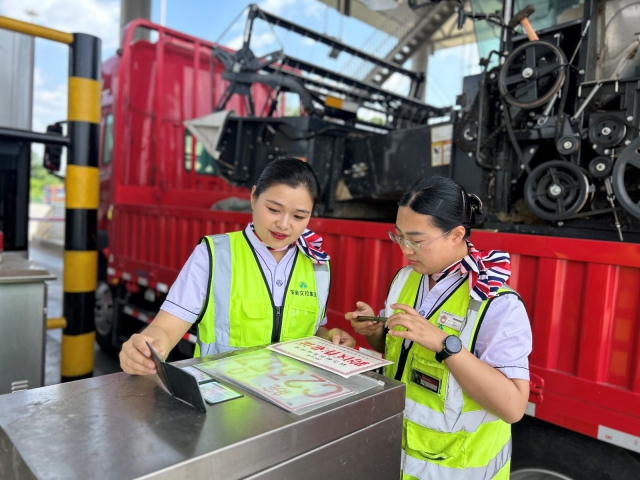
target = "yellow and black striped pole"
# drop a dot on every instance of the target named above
(82, 187)
(80, 276)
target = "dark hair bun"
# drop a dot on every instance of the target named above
(474, 210)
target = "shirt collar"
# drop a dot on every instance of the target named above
(261, 248)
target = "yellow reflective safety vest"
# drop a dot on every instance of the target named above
(239, 311)
(446, 435)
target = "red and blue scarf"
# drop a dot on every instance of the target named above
(309, 243)
(487, 273)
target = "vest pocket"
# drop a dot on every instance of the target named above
(299, 321)
(433, 445)
(427, 383)
(249, 323)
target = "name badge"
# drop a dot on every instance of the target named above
(450, 320)
(425, 381)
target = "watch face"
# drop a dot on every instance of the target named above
(453, 344)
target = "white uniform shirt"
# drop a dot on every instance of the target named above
(504, 339)
(186, 297)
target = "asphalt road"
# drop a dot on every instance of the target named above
(51, 259)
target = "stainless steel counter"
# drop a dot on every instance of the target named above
(120, 426)
(14, 268)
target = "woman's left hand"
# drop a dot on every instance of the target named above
(340, 337)
(419, 329)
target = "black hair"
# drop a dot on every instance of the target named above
(291, 172)
(446, 202)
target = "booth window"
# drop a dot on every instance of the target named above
(205, 164)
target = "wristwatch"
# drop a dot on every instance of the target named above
(452, 345)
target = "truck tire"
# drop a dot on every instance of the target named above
(543, 451)
(104, 317)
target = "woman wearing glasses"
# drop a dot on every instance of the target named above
(458, 336)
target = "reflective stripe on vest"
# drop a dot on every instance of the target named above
(239, 310)
(440, 421)
(425, 470)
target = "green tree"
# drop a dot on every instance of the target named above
(40, 177)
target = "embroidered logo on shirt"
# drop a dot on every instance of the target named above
(303, 293)
(303, 285)
(279, 283)
(446, 319)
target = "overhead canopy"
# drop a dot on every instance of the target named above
(402, 31)
(401, 19)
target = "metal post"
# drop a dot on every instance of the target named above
(82, 184)
(82, 197)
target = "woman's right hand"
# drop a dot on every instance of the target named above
(363, 327)
(135, 357)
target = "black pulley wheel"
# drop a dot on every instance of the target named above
(608, 131)
(600, 167)
(467, 136)
(532, 74)
(567, 145)
(556, 190)
(626, 178)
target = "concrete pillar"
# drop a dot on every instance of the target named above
(132, 9)
(16, 79)
(420, 63)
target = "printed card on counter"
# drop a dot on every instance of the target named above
(214, 392)
(343, 361)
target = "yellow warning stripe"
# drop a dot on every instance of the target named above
(80, 271)
(76, 358)
(84, 100)
(82, 187)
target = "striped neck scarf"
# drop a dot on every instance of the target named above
(309, 243)
(487, 273)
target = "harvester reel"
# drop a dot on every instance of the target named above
(608, 131)
(556, 190)
(532, 74)
(626, 178)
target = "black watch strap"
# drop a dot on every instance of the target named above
(451, 346)
(442, 355)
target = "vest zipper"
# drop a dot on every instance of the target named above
(277, 325)
(277, 311)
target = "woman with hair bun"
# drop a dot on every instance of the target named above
(459, 338)
(267, 283)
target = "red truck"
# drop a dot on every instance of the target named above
(158, 186)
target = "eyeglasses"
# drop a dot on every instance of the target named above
(415, 246)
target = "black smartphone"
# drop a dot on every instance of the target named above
(364, 318)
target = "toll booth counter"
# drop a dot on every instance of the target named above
(120, 426)
(22, 323)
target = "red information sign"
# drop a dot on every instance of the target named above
(343, 361)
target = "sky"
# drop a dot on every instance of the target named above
(208, 19)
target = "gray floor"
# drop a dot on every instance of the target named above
(51, 259)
